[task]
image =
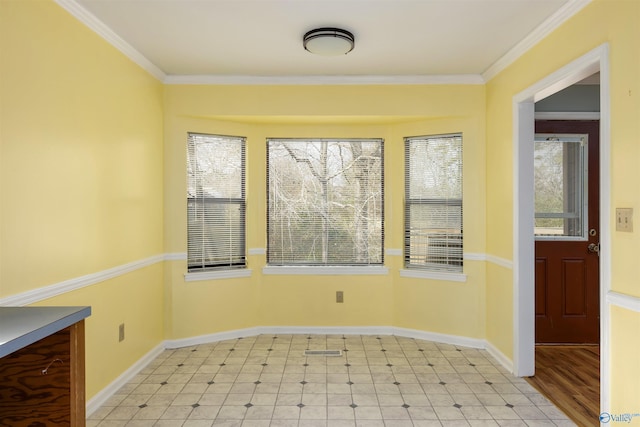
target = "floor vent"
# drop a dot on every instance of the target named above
(323, 352)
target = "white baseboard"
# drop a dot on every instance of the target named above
(441, 338)
(210, 338)
(327, 330)
(261, 330)
(100, 399)
(499, 356)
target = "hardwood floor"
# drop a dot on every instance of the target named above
(569, 376)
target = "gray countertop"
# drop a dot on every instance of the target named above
(22, 326)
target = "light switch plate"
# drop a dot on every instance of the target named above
(624, 219)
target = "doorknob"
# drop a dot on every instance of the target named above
(594, 248)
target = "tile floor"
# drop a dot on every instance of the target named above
(267, 380)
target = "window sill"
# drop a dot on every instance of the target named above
(215, 275)
(325, 271)
(437, 275)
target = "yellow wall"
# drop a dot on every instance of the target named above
(389, 112)
(136, 300)
(93, 177)
(499, 308)
(624, 382)
(80, 178)
(443, 306)
(602, 21)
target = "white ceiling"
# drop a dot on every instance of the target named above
(395, 39)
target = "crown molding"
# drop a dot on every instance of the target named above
(553, 22)
(571, 8)
(466, 79)
(88, 19)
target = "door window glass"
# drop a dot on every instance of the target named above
(560, 167)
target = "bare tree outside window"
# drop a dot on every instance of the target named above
(325, 202)
(215, 202)
(560, 176)
(433, 203)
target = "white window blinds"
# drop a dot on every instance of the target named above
(215, 202)
(325, 202)
(433, 203)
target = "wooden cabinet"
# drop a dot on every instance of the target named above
(42, 380)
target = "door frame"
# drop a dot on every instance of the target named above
(597, 60)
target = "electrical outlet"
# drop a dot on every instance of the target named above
(624, 219)
(339, 296)
(121, 332)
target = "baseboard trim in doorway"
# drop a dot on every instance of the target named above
(499, 356)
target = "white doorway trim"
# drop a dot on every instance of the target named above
(594, 61)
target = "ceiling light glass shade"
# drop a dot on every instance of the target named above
(328, 41)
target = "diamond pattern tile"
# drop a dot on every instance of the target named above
(378, 381)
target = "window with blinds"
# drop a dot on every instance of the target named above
(325, 202)
(215, 202)
(433, 203)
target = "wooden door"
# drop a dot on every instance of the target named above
(567, 232)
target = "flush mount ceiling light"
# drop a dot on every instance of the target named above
(328, 41)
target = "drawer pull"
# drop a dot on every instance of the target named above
(45, 370)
